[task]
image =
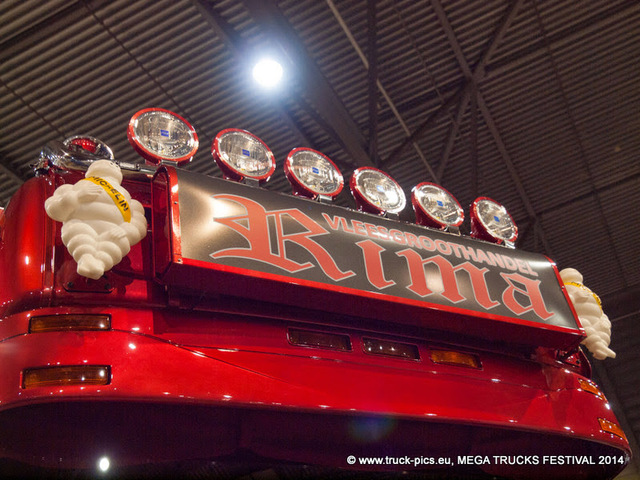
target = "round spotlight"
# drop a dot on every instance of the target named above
(376, 192)
(490, 221)
(435, 207)
(267, 73)
(241, 155)
(312, 174)
(160, 135)
(85, 143)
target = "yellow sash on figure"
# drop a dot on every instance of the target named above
(586, 289)
(115, 195)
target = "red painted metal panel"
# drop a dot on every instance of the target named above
(204, 353)
(230, 363)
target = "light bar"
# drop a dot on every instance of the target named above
(160, 135)
(241, 155)
(490, 221)
(63, 376)
(312, 174)
(435, 207)
(376, 192)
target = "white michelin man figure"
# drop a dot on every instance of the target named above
(594, 321)
(100, 219)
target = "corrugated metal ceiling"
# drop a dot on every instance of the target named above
(539, 98)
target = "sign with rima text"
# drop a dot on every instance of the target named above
(326, 257)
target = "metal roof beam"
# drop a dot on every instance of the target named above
(477, 75)
(488, 119)
(577, 137)
(236, 44)
(433, 118)
(454, 131)
(622, 303)
(41, 31)
(372, 86)
(592, 193)
(473, 139)
(506, 157)
(479, 69)
(11, 173)
(571, 35)
(312, 81)
(382, 90)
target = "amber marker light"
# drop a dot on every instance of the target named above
(69, 322)
(376, 192)
(591, 388)
(312, 174)
(160, 135)
(62, 376)
(612, 428)
(451, 357)
(490, 221)
(241, 156)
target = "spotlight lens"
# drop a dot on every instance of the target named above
(492, 218)
(267, 72)
(312, 173)
(89, 144)
(436, 207)
(240, 154)
(376, 192)
(160, 135)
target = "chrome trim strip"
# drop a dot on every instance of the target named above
(58, 156)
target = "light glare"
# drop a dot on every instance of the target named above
(267, 72)
(104, 464)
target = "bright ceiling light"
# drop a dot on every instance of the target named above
(104, 464)
(267, 72)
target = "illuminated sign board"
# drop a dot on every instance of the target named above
(250, 242)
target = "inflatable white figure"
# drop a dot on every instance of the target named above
(100, 220)
(594, 321)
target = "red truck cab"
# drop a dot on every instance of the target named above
(255, 328)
